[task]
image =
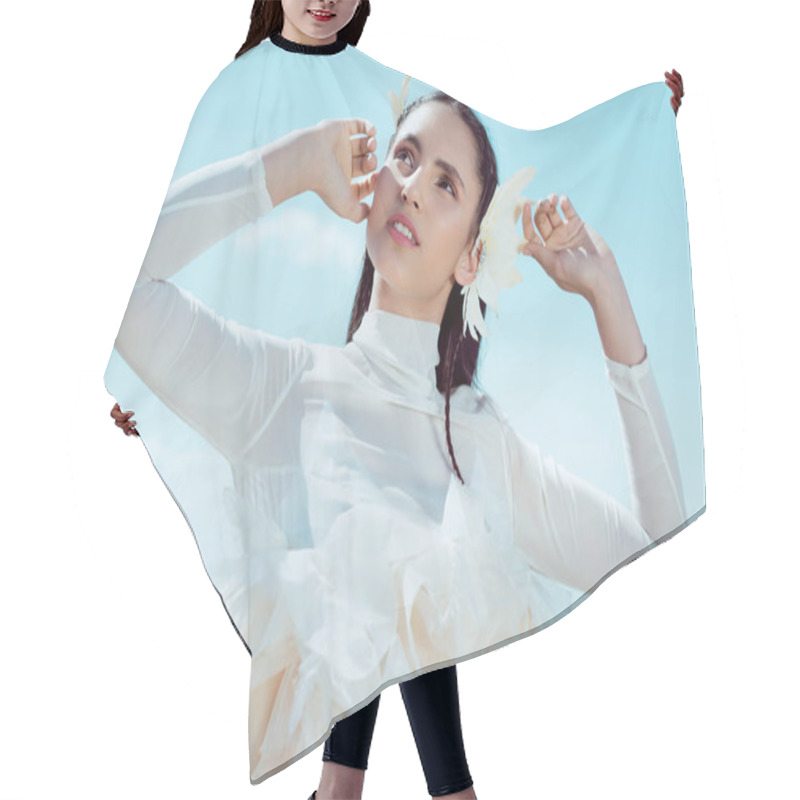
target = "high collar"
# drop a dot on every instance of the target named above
(308, 49)
(400, 350)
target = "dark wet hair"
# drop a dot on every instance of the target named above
(266, 18)
(458, 354)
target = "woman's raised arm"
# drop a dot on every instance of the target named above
(202, 208)
(222, 378)
(572, 531)
(568, 528)
(210, 203)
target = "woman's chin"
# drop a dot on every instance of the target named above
(393, 281)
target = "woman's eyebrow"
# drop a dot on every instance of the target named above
(445, 165)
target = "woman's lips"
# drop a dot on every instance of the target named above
(399, 236)
(323, 16)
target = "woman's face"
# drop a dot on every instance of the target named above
(316, 21)
(428, 189)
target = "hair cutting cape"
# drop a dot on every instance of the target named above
(315, 473)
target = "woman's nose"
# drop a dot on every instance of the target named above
(410, 190)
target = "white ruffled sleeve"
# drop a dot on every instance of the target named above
(222, 378)
(572, 531)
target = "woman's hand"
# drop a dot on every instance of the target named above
(122, 419)
(336, 159)
(577, 258)
(574, 255)
(675, 82)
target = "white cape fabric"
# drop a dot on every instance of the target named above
(315, 473)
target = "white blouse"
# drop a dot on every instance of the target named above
(367, 558)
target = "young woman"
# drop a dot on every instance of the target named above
(407, 287)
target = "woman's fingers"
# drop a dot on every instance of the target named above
(364, 188)
(542, 219)
(118, 413)
(569, 210)
(532, 240)
(675, 82)
(536, 249)
(364, 160)
(551, 209)
(361, 126)
(677, 89)
(122, 419)
(546, 223)
(547, 218)
(556, 233)
(528, 231)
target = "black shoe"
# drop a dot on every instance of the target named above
(313, 795)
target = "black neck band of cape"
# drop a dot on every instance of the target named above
(308, 49)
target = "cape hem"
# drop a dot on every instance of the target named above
(450, 662)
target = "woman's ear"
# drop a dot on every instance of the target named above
(467, 266)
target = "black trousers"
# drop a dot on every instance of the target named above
(431, 702)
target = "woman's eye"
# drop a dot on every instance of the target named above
(446, 182)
